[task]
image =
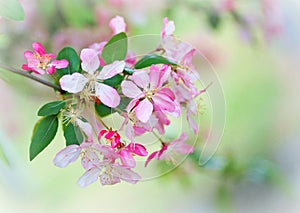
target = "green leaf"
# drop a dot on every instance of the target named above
(149, 60)
(115, 49)
(114, 81)
(214, 19)
(103, 110)
(43, 133)
(52, 108)
(72, 57)
(72, 134)
(12, 9)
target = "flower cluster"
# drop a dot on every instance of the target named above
(97, 83)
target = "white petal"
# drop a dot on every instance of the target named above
(107, 95)
(86, 127)
(130, 90)
(89, 177)
(90, 60)
(67, 156)
(111, 70)
(141, 78)
(73, 83)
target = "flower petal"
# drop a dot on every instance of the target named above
(37, 47)
(164, 102)
(152, 156)
(127, 159)
(89, 177)
(59, 64)
(107, 95)
(141, 78)
(130, 90)
(179, 146)
(111, 70)
(73, 83)
(125, 174)
(89, 60)
(86, 128)
(137, 149)
(144, 110)
(66, 156)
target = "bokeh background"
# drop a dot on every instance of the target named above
(254, 48)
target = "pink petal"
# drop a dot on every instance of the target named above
(153, 155)
(66, 156)
(179, 146)
(117, 25)
(37, 47)
(192, 123)
(164, 102)
(25, 67)
(168, 92)
(159, 76)
(141, 78)
(89, 60)
(130, 90)
(89, 177)
(130, 58)
(137, 149)
(111, 70)
(86, 128)
(59, 64)
(98, 47)
(28, 54)
(107, 95)
(127, 159)
(37, 70)
(73, 83)
(144, 110)
(51, 70)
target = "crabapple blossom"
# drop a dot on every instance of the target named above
(40, 62)
(88, 83)
(153, 93)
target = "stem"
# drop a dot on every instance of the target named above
(32, 77)
(157, 136)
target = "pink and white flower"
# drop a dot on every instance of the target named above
(88, 83)
(153, 92)
(168, 150)
(40, 62)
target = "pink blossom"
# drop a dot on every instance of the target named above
(77, 82)
(117, 24)
(113, 137)
(39, 61)
(154, 92)
(169, 149)
(126, 154)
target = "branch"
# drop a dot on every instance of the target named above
(32, 77)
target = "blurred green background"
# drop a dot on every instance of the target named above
(255, 53)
